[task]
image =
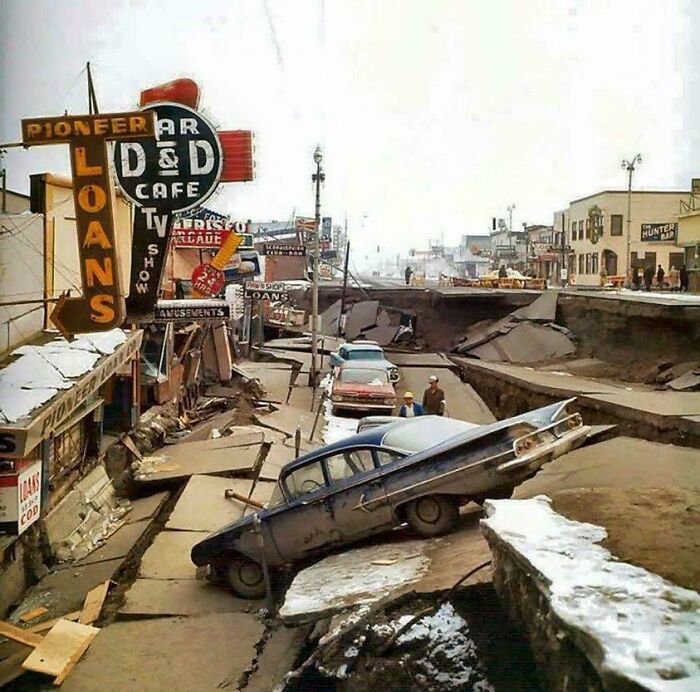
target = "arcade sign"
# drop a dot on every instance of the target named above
(101, 305)
(265, 290)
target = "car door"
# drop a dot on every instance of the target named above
(356, 496)
(306, 525)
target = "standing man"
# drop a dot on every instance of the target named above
(648, 277)
(407, 274)
(660, 273)
(433, 398)
(636, 279)
(408, 408)
(684, 278)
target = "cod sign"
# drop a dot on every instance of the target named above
(101, 306)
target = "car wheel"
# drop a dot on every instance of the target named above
(432, 515)
(246, 577)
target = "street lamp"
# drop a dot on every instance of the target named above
(629, 167)
(318, 177)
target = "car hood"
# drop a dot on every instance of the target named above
(340, 387)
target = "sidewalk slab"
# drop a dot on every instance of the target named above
(146, 507)
(418, 360)
(169, 556)
(204, 507)
(169, 597)
(118, 545)
(185, 654)
(287, 418)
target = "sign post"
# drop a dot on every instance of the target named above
(101, 305)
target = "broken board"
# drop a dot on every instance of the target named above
(60, 649)
(92, 608)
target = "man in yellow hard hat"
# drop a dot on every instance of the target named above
(410, 409)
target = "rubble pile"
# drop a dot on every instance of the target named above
(365, 320)
(527, 335)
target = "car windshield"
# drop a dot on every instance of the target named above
(277, 497)
(363, 376)
(365, 354)
(420, 433)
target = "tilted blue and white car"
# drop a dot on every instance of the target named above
(365, 351)
(416, 470)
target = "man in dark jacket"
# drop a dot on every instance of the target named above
(433, 398)
(648, 277)
(684, 279)
(407, 274)
(636, 279)
(660, 273)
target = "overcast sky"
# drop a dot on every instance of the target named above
(433, 116)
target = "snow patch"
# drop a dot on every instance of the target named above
(648, 628)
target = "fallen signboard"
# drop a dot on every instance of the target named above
(266, 290)
(284, 250)
(190, 310)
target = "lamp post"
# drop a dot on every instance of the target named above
(629, 165)
(318, 177)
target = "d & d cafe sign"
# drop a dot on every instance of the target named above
(100, 306)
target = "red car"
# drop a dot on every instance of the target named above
(362, 386)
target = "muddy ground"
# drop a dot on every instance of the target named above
(654, 528)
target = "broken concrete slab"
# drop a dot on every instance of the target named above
(213, 457)
(525, 343)
(286, 419)
(462, 402)
(419, 360)
(623, 462)
(118, 545)
(146, 507)
(543, 309)
(361, 316)
(274, 380)
(169, 556)
(207, 662)
(657, 403)
(168, 597)
(303, 343)
(207, 492)
(330, 318)
(689, 382)
(383, 335)
(278, 657)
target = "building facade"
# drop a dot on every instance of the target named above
(597, 228)
(689, 236)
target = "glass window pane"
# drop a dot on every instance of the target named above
(305, 480)
(384, 456)
(347, 464)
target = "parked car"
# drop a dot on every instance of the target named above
(364, 350)
(362, 386)
(418, 471)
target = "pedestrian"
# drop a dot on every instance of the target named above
(648, 277)
(409, 409)
(660, 273)
(407, 275)
(684, 278)
(636, 279)
(433, 398)
(674, 278)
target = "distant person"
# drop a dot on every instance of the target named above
(408, 274)
(636, 279)
(433, 398)
(409, 409)
(660, 273)
(684, 278)
(648, 277)
(674, 278)
(502, 272)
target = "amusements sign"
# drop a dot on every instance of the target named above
(265, 290)
(174, 174)
(101, 305)
(20, 498)
(657, 232)
(199, 310)
(284, 250)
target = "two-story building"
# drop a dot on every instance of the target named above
(598, 234)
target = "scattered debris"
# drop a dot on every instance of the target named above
(33, 614)
(92, 608)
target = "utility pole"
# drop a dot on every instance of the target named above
(345, 283)
(318, 177)
(511, 207)
(629, 166)
(92, 97)
(3, 175)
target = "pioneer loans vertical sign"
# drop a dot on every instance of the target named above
(20, 498)
(101, 305)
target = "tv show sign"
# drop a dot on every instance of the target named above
(658, 232)
(20, 497)
(101, 305)
(265, 290)
(284, 250)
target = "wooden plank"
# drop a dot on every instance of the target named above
(48, 624)
(75, 658)
(19, 635)
(60, 648)
(32, 614)
(93, 603)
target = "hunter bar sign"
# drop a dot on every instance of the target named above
(265, 290)
(284, 250)
(658, 232)
(101, 306)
